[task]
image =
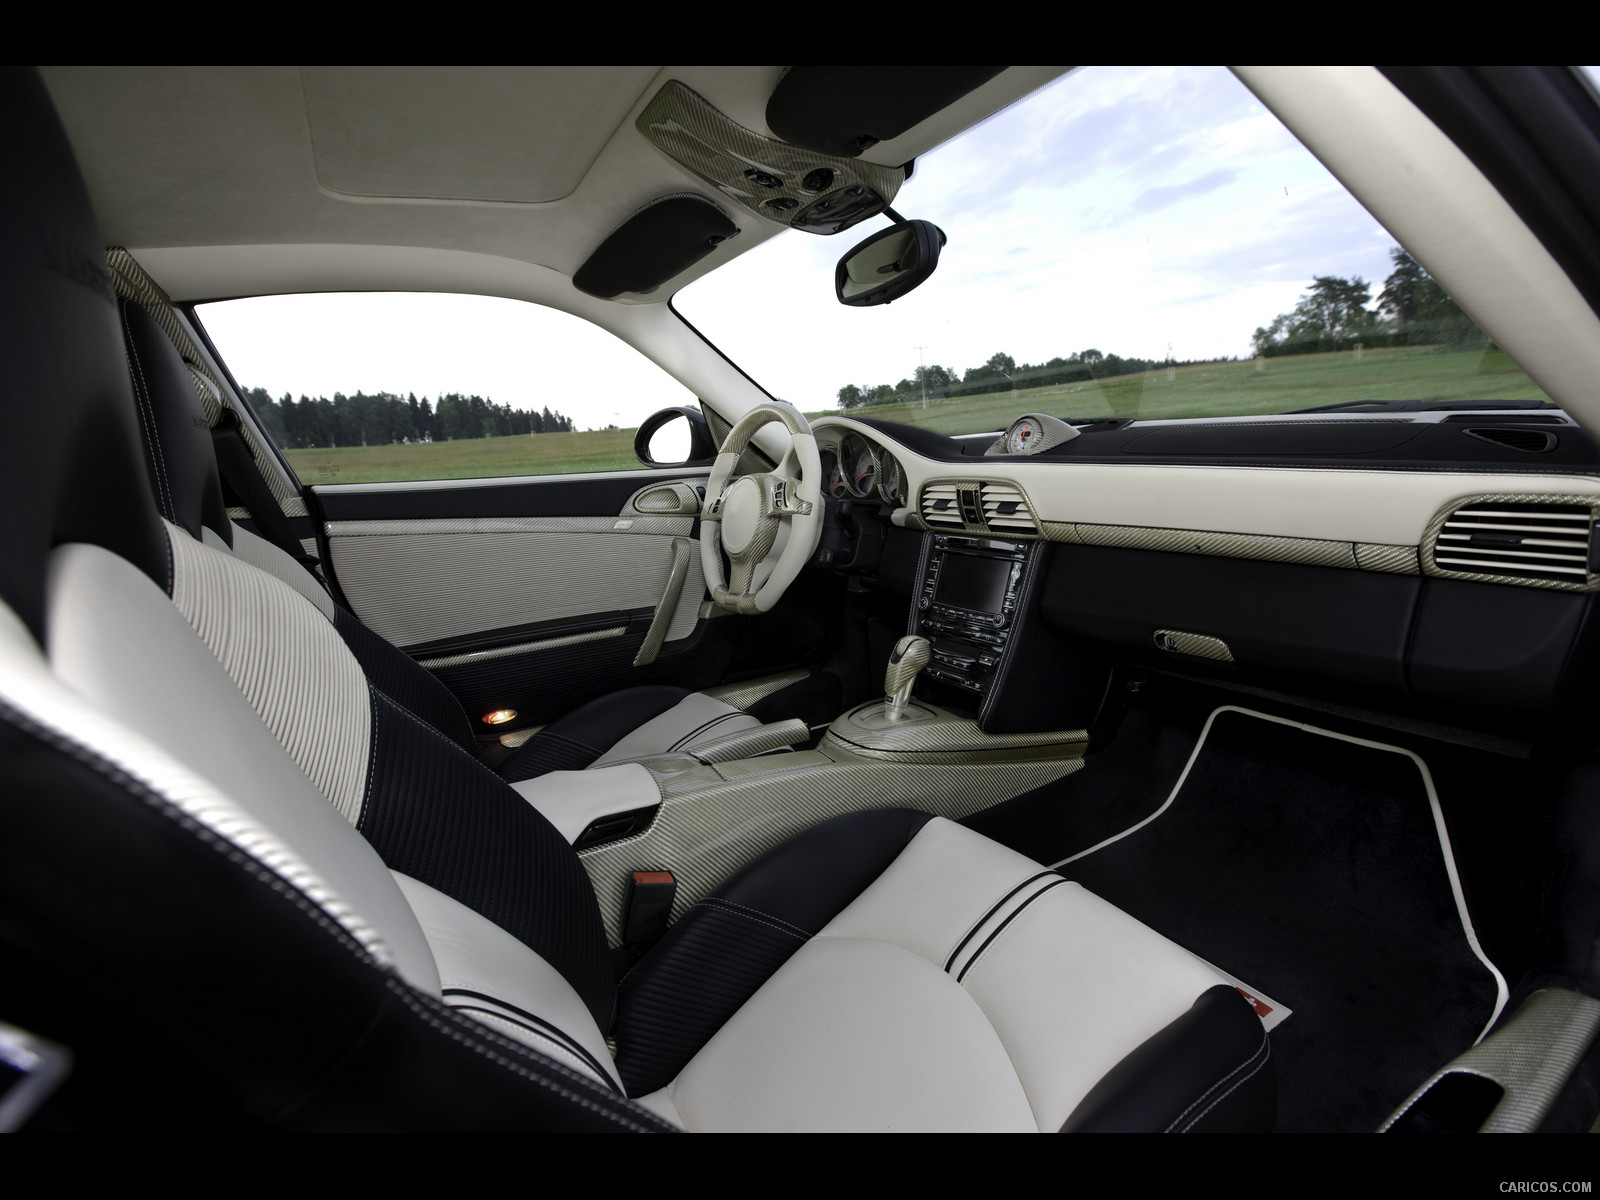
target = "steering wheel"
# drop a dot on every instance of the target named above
(745, 516)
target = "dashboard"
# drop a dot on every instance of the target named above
(1332, 568)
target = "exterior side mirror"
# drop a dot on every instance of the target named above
(888, 264)
(675, 437)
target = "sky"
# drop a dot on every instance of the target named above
(1137, 211)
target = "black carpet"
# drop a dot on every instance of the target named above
(1310, 868)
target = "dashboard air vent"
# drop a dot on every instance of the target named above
(1535, 542)
(941, 505)
(1005, 509)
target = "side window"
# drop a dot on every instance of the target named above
(372, 387)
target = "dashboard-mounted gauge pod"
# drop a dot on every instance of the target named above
(888, 264)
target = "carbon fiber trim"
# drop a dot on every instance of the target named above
(722, 823)
(658, 526)
(749, 743)
(667, 606)
(517, 739)
(1199, 645)
(411, 588)
(1397, 560)
(1431, 537)
(928, 731)
(1313, 551)
(743, 695)
(1060, 531)
(1531, 1057)
(688, 129)
(477, 656)
(664, 499)
(133, 283)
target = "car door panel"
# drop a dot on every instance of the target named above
(538, 595)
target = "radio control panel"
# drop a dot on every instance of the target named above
(966, 605)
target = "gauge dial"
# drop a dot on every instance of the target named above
(1024, 435)
(860, 466)
(892, 481)
(833, 476)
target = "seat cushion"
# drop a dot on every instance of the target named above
(966, 988)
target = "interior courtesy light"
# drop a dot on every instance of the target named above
(499, 716)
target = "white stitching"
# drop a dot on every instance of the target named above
(217, 842)
(750, 916)
(411, 1000)
(283, 887)
(1265, 1042)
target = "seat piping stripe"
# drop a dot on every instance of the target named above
(533, 1024)
(1021, 908)
(994, 908)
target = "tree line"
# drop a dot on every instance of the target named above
(1412, 310)
(383, 418)
(1001, 373)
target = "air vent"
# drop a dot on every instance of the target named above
(941, 505)
(1546, 543)
(1529, 441)
(1005, 508)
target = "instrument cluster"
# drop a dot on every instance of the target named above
(857, 469)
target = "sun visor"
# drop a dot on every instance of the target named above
(843, 111)
(662, 239)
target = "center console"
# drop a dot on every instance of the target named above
(968, 606)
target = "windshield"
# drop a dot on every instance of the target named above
(1147, 243)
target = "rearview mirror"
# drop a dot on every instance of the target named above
(888, 264)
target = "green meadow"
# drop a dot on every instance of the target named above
(1272, 385)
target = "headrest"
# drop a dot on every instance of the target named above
(71, 469)
(174, 428)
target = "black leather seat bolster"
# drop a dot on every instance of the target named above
(572, 742)
(725, 947)
(1210, 1071)
(176, 434)
(396, 674)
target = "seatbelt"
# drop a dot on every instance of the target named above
(241, 477)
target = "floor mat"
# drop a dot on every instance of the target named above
(1310, 864)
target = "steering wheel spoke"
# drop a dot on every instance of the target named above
(746, 513)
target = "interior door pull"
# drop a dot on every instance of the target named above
(667, 605)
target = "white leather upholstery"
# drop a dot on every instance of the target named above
(287, 660)
(262, 554)
(571, 800)
(866, 1027)
(511, 988)
(117, 641)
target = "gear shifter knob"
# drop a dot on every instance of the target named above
(910, 655)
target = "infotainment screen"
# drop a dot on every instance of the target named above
(973, 583)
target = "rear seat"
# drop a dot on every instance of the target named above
(191, 749)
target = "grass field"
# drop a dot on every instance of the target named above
(1214, 389)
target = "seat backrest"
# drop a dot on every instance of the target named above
(164, 855)
(187, 485)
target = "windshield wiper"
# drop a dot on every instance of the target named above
(1422, 406)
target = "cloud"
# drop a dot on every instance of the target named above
(1157, 198)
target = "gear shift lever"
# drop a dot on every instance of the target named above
(910, 655)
